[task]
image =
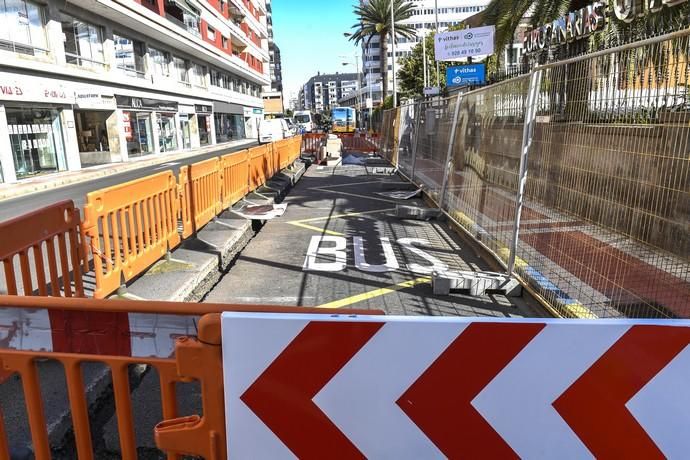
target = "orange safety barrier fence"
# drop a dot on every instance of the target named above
(93, 325)
(235, 168)
(281, 153)
(260, 165)
(357, 142)
(311, 142)
(200, 194)
(295, 148)
(47, 247)
(130, 226)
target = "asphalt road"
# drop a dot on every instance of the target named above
(77, 192)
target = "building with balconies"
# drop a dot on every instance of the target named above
(84, 82)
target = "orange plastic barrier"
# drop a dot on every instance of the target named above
(48, 236)
(193, 357)
(357, 142)
(130, 226)
(235, 168)
(200, 194)
(311, 142)
(261, 166)
(295, 148)
(281, 153)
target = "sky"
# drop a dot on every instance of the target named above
(309, 34)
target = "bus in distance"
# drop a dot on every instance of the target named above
(344, 120)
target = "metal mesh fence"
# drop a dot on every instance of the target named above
(434, 129)
(482, 187)
(604, 229)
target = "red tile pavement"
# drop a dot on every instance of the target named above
(621, 277)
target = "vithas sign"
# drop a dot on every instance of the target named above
(310, 386)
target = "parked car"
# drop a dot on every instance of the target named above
(273, 130)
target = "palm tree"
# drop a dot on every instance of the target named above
(375, 20)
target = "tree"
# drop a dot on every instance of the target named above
(375, 21)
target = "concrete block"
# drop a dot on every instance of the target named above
(477, 283)
(403, 211)
(334, 147)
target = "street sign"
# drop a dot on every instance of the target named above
(459, 44)
(309, 386)
(462, 75)
(431, 91)
(370, 103)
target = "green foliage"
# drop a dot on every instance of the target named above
(374, 19)
(289, 113)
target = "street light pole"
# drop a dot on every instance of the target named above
(395, 90)
(359, 93)
(438, 76)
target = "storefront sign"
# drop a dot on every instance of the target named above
(473, 74)
(203, 108)
(144, 103)
(35, 91)
(250, 112)
(458, 44)
(590, 19)
(88, 99)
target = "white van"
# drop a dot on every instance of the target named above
(273, 130)
(304, 120)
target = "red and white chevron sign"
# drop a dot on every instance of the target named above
(310, 386)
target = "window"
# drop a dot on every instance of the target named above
(199, 75)
(23, 28)
(224, 42)
(83, 43)
(129, 56)
(215, 78)
(181, 70)
(211, 34)
(160, 62)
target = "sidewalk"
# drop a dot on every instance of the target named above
(61, 179)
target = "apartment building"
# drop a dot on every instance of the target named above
(323, 91)
(273, 93)
(86, 82)
(450, 13)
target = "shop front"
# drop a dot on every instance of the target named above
(252, 117)
(203, 117)
(95, 120)
(229, 122)
(36, 140)
(35, 117)
(140, 117)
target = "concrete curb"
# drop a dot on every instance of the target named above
(63, 179)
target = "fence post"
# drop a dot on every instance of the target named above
(527, 135)
(449, 158)
(418, 117)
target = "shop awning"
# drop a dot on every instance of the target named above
(224, 107)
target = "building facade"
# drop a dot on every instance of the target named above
(273, 93)
(323, 91)
(85, 82)
(423, 20)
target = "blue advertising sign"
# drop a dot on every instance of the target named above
(461, 75)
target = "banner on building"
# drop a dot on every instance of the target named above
(459, 44)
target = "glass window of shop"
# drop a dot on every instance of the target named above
(167, 135)
(160, 62)
(228, 127)
(204, 122)
(92, 133)
(23, 29)
(36, 139)
(83, 43)
(138, 133)
(129, 56)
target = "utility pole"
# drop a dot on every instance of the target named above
(395, 90)
(426, 77)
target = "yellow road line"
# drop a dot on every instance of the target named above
(316, 229)
(322, 187)
(335, 216)
(376, 293)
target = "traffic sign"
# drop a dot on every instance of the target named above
(309, 386)
(462, 75)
